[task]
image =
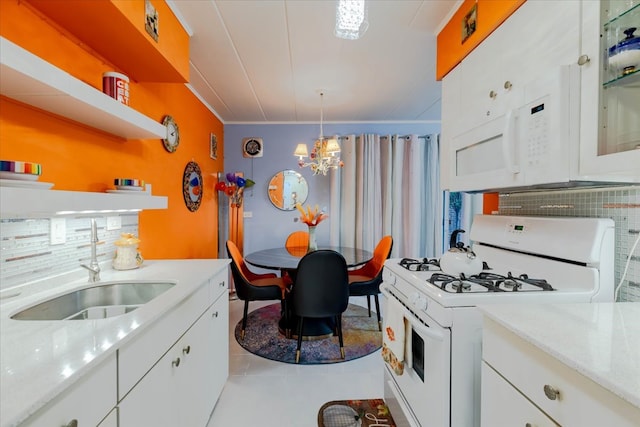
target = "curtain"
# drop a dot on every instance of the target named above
(388, 185)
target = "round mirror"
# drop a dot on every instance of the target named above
(286, 188)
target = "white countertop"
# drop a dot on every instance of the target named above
(599, 340)
(39, 359)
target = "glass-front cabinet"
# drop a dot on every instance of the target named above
(620, 92)
(614, 148)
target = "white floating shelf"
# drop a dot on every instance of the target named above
(33, 203)
(27, 78)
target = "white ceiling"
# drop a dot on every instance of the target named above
(256, 61)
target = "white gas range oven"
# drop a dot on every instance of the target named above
(529, 260)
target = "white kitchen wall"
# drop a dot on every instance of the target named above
(26, 252)
(622, 204)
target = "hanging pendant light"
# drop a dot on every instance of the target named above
(351, 19)
(325, 154)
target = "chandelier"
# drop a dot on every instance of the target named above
(351, 19)
(325, 154)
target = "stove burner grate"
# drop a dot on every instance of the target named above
(420, 265)
(461, 284)
(515, 283)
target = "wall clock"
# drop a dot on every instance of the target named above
(192, 186)
(172, 140)
(252, 147)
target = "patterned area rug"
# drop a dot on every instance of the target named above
(355, 413)
(262, 338)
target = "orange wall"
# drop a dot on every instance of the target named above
(490, 14)
(75, 157)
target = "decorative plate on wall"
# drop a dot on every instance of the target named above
(192, 186)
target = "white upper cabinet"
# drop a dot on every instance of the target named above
(522, 109)
(610, 120)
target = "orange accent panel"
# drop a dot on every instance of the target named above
(450, 48)
(490, 203)
(77, 157)
(116, 30)
(236, 222)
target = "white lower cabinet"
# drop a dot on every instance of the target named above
(181, 389)
(522, 385)
(85, 403)
(111, 420)
(506, 406)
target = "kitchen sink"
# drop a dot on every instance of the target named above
(104, 300)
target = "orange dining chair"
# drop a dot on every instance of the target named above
(251, 286)
(365, 281)
(297, 239)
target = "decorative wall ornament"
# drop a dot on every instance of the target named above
(213, 146)
(252, 147)
(151, 20)
(234, 188)
(469, 22)
(192, 186)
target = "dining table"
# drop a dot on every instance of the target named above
(286, 260)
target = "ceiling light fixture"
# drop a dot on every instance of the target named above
(325, 154)
(351, 19)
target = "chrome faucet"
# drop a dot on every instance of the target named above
(93, 267)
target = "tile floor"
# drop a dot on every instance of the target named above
(261, 392)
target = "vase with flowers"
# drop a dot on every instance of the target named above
(312, 218)
(234, 188)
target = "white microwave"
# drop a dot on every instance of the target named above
(534, 144)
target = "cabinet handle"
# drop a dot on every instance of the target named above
(551, 392)
(493, 94)
(72, 423)
(222, 284)
(214, 314)
(583, 59)
(186, 350)
(507, 85)
(176, 362)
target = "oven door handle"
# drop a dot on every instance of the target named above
(416, 323)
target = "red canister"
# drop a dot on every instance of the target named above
(116, 85)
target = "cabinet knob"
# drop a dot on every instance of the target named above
(176, 362)
(214, 314)
(72, 423)
(493, 94)
(186, 350)
(551, 392)
(507, 85)
(528, 425)
(583, 59)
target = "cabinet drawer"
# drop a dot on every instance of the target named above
(518, 412)
(138, 356)
(88, 401)
(579, 401)
(219, 284)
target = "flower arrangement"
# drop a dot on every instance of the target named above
(309, 217)
(234, 187)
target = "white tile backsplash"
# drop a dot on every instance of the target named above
(622, 204)
(26, 253)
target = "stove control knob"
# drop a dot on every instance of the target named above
(420, 302)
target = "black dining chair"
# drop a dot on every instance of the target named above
(321, 290)
(251, 286)
(366, 280)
